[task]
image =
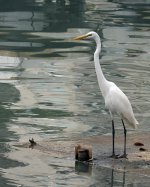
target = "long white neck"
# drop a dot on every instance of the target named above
(103, 83)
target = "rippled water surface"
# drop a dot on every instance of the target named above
(48, 86)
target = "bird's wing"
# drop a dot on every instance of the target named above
(117, 102)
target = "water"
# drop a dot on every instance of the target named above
(48, 87)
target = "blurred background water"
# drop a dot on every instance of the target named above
(48, 86)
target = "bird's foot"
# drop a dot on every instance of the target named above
(118, 156)
(123, 156)
(114, 156)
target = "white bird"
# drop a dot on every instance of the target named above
(115, 100)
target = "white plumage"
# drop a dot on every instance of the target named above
(115, 100)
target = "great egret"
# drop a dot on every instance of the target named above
(115, 100)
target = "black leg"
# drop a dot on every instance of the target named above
(125, 135)
(113, 141)
(113, 138)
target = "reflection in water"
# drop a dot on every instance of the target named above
(41, 16)
(82, 168)
(8, 95)
(54, 94)
(108, 177)
(113, 182)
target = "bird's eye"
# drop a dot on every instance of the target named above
(89, 34)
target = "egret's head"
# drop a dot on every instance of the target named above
(88, 36)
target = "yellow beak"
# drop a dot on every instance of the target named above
(81, 37)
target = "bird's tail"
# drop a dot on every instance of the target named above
(136, 124)
(132, 123)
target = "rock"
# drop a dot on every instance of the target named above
(83, 152)
(138, 144)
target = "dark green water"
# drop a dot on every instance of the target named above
(48, 86)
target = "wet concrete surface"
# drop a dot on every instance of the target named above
(137, 161)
